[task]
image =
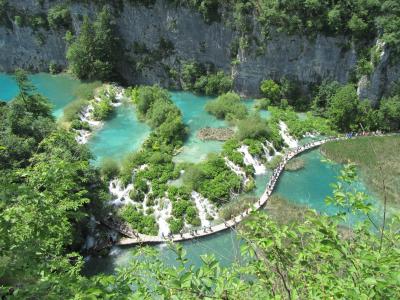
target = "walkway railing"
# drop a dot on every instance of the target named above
(137, 238)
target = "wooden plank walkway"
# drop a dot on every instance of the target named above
(138, 238)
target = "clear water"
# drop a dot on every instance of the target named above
(59, 89)
(120, 135)
(195, 117)
(308, 187)
(124, 133)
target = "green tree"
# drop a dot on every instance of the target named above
(95, 51)
(271, 90)
(343, 108)
(227, 106)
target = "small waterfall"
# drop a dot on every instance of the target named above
(162, 213)
(204, 207)
(267, 146)
(248, 159)
(284, 132)
(120, 193)
(83, 136)
(237, 170)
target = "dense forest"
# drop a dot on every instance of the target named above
(50, 189)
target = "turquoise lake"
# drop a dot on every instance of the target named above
(59, 89)
(120, 135)
(195, 117)
(123, 133)
(307, 187)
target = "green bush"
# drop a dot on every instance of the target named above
(138, 221)
(59, 17)
(109, 168)
(175, 225)
(271, 90)
(103, 109)
(228, 106)
(262, 104)
(253, 127)
(213, 179)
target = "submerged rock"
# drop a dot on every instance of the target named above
(216, 134)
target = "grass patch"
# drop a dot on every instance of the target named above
(282, 211)
(377, 158)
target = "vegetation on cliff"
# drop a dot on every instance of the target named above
(94, 52)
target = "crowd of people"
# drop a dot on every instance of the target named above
(270, 187)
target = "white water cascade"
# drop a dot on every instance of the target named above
(205, 208)
(248, 159)
(162, 213)
(237, 170)
(120, 193)
(86, 115)
(266, 147)
(288, 139)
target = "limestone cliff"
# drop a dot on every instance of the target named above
(308, 60)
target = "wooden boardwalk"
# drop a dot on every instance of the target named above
(137, 238)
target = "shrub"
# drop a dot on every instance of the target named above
(252, 127)
(227, 106)
(109, 168)
(103, 109)
(271, 90)
(175, 225)
(263, 104)
(59, 17)
(72, 110)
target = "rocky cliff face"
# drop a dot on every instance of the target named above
(295, 57)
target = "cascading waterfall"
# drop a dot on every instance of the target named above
(163, 212)
(288, 139)
(237, 170)
(267, 146)
(205, 208)
(248, 159)
(120, 193)
(86, 115)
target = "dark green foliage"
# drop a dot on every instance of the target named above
(26, 121)
(142, 223)
(59, 17)
(271, 90)
(323, 95)
(154, 105)
(175, 225)
(46, 185)
(389, 113)
(253, 127)
(213, 84)
(343, 108)
(203, 79)
(102, 109)
(230, 151)
(109, 168)
(345, 111)
(213, 179)
(228, 106)
(94, 52)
